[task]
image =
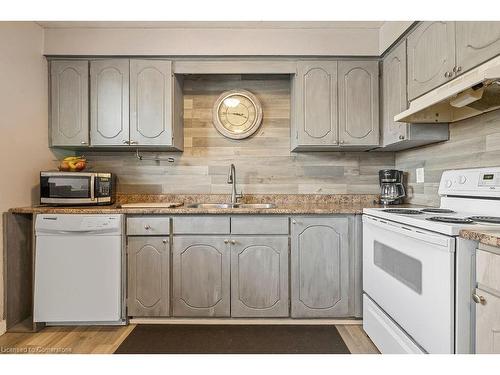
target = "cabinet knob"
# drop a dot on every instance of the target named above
(147, 227)
(164, 241)
(448, 74)
(401, 137)
(294, 221)
(459, 68)
(233, 242)
(125, 142)
(83, 142)
(341, 142)
(479, 299)
(133, 142)
(226, 241)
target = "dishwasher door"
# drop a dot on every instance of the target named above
(78, 269)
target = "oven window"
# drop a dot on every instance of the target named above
(402, 267)
(69, 187)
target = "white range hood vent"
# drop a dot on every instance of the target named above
(472, 93)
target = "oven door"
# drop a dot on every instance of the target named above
(409, 273)
(67, 188)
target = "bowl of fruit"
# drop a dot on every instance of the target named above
(73, 164)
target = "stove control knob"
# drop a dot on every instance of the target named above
(462, 180)
(448, 183)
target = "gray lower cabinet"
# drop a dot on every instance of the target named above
(314, 98)
(69, 95)
(358, 103)
(476, 42)
(109, 102)
(201, 276)
(431, 56)
(148, 276)
(259, 276)
(320, 267)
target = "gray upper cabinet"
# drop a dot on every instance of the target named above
(201, 276)
(154, 94)
(314, 93)
(259, 276)
(69, 115)
(431, 56)
(109, 102)
(320, 267)
(148, 276)
(476, 42)
(358, 103)
(394, 95)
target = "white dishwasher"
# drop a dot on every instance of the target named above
(79, 268)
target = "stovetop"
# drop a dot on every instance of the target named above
(440, 220)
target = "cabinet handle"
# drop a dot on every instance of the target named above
(125, 142)
(226, 241)
(147, 227)
(479, 299)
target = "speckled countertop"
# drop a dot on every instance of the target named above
(487, 237)
(296, 204)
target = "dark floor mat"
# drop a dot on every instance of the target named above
(233, 339)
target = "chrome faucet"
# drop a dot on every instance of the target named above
(231, 179)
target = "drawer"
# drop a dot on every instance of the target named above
(259, 225)
(201, 225)
(488, 270)
(148, 226)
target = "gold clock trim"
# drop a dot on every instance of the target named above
(251, 129)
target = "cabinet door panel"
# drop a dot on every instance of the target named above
(315, 93)
(431, 54)
(151, 102)
(259, 277)
(358, 103)
(148, 276)
(109, 95)
(394, 95)
(201, 276)
(477, 42)
(320, 267)
(69, 85)
(488, 324)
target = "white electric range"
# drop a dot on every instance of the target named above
(418, 275)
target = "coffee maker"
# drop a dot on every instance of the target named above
(392, 190)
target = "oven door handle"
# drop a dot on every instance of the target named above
(439, 240)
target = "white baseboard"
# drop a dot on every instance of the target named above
(246, 321)
(3, 327)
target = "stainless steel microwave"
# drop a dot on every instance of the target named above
(77, 188)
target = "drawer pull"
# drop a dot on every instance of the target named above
(479, 299)
(147, 227)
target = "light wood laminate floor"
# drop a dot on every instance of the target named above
(105, 340)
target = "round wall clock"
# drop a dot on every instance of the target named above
(237, 114)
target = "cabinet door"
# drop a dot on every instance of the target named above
(488, 324)
(394, 95)
(315, 104)
(69, 114)
(431, 56)
(320, 267)
(148, 276)
(201, 278)
(259, 277)
(477, 42)
(150, 102)
(109, 102)
(358, 103)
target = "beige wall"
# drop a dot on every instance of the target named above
(474, 142)
(264, 162)
(23, 120)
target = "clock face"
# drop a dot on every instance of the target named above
(237, 114)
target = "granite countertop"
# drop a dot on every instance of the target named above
(296, 204)
(487, 237)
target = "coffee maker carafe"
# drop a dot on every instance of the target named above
(392, 190)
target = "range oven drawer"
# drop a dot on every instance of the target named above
(409, 273)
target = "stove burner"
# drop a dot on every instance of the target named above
(438, 210)
(402, 211)
(486, 219)
(453, 220)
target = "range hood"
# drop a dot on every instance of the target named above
(472, 93)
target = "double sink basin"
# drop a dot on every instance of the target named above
(232, 205)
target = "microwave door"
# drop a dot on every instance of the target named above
(69, 189)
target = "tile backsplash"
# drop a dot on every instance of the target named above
(264, 163)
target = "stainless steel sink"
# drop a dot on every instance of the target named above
(234, 205)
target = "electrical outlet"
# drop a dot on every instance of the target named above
(420, 175)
